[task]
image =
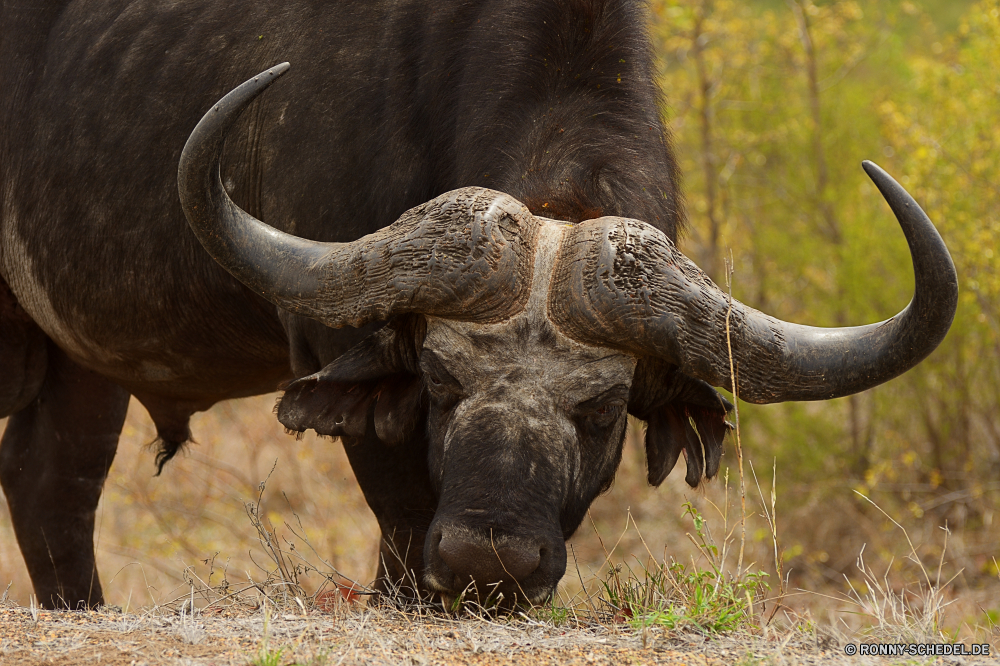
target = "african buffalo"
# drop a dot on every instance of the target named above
(489, 286)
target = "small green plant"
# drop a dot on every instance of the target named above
(673, 595)
(268, 657)
(554, 612)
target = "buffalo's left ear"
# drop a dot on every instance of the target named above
(682, 414)
(372, 380)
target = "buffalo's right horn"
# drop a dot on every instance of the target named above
(466, 255)
(622, 283)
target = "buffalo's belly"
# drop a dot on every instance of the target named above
(178, 340)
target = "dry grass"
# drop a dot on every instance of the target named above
(153, 533)
(367, 636)
(352, 634)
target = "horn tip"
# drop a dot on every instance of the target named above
(871, 168)
(881, 178)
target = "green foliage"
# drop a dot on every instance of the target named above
(676, 596)
(773, 105)
(949, 142)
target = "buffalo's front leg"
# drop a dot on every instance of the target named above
(397, 487)
(54, 457)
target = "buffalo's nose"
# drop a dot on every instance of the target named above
(487, 563)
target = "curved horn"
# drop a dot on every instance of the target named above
(466, 255)
(621, 280)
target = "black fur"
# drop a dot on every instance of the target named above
(388, 105)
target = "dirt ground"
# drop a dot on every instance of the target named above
(363, 636)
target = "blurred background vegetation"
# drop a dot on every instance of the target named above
(773, 106)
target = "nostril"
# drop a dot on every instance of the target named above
(487, 563)
(519, 562)
(456, 553)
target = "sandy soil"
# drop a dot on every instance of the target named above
(362, 636)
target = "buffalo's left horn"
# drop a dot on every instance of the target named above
(466, 255)
(622, 283)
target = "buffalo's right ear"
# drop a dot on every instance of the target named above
(338, 400)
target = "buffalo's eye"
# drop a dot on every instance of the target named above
(603, 410)
(601, 414)
(606, 414)
(445, 391)
(442, 386)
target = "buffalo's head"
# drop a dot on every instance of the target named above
(520, 345)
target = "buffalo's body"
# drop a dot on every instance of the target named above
(107, 293)
(391, 103)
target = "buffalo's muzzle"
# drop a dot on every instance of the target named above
(491, 566)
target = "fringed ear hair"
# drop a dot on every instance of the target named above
(374, 379)
(682, 415)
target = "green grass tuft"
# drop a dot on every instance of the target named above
(677, 596)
